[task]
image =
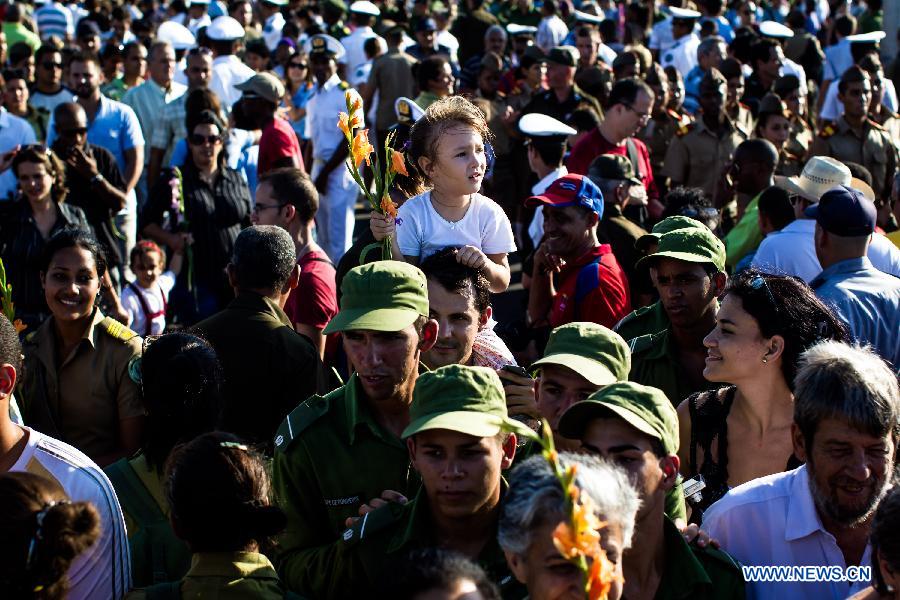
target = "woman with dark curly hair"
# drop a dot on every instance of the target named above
(41, 534)
(26, 224)
(742, 431)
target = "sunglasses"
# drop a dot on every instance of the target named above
(52, 65)
(759, 283)
(74, 131)
(301, 65)
(197, 139)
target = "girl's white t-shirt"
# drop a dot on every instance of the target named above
(154, 297)
(421, 231)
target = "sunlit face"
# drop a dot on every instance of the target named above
(777, 130)
(635, 115)
(205, 143)
(685, 289)
(147, 267)
(426, 39)
(267, 209)
(256, 61)
(15, 95)
(849, 470)
(162, 65)
(298, 69)
(559, 388)
(856, 98)
(567, 230)
(587, 48)
(71, 284)
(712, 98)
(243, 13)
(536, 75)
(49, 72)
(559, 76)
(772, 67)
(323, 66)
(735, 347)
(735, 90)
(661, 96)
(199, 70)
(676, 93)
(796, 103)
(488, 82)
(458, 325)
(714, 58)
(460, 472)
(386, 362)
(549, 576)
(136, 61)
(460, 162)
(35, 181)
(84, 78)
(442, 85)
(495, 42)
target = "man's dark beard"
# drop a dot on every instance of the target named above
(830, 507)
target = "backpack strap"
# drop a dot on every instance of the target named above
(633, 157)
(145, 307)
(164, 591)
(588, 280)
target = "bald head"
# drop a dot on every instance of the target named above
(71, 126)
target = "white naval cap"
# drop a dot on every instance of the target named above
(774, 29)
(364, 7)
(866, 38)
(588, 17)
(538, 125)
(683, 13)
(176, 34)
(407, 110)
(277, 2)
(325, 44)
(224, 29)
(516, 29)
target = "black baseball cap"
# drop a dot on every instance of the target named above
(844, 211)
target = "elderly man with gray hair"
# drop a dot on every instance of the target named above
(264, 360)
(846, 428)
(534, 506)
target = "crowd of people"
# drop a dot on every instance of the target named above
(663, 235)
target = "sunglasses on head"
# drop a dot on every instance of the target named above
(197, 139)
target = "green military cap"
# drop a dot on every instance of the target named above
(564, 55)
(336, 5)
(689, 245)
(387, 295)
(598, 354)
(665, 226)
(645, 408)
(469, 400)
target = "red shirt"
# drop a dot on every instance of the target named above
(594, 144)
(606, 299)
(314, 301)
(278, 141)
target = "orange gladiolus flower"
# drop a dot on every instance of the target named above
(387, 206)
(355, 121)
(601, 577)
(19, 325)
(398, 163)
(357, 104)
(361, 148)
(344, 123)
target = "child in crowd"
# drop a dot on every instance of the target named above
(146, 298)
(447, 146)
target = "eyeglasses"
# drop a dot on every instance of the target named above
(196, 139)
(258, 208)
(52, 65)
(74, 131)
(643, 116)
(301, 65)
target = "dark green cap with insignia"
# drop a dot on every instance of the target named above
(665, 226)
(466, 399)
(388, 295)
(598, 354)
(645, 408)
(689, 245)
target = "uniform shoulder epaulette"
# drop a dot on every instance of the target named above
(116, 330)
(876, 124)
(373, 523)
(827, 130)
(344, 85)
(742, 105)
(29, 337)
(299, 419)
(684, 129)
(641, 343)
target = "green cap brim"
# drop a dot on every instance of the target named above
(591, 370)
(685, 256)
(379, 319)
(576, 417)
(471, 423)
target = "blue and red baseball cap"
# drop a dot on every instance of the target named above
(844, 211)
(571, 190)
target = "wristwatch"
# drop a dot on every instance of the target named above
(96, 179)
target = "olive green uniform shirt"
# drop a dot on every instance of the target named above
(697, 573)
(696, 155)
(331, 456)
(363, 561)
(658, 134)
(872, 149)
(646, 320)
(654, 362)
(81, 398)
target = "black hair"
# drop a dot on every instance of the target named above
(10, 74)
(207, 117)
(10, 348)
(681, 196)
(741, 47)
(551, 152)
(181, 382)
(456, 277)
(428, 69)
(859, 172)
(853, 74)
(761, 51)
(845, 25)
(625, 91)
(790, 309)
(43, 51)
(584, 119)
(293, 186)
(757, 150)
(436, 569)
(884, 539)
(263, 258)
(258, 47)
(19, 52)
(775, 204)
(219, 495)
(370, 46)
(73, 237)
(860, 50)
(786, 84)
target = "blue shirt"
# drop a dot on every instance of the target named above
(868, 300)
(692, 89)
(14, 131)
(115, 127)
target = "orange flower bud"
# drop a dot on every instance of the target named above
(398, 163)
(387, 205)
(360, 149)
(343, 123)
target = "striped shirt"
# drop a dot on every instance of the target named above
(54, 19)
(104, 569)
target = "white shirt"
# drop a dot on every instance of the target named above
(682, 55)
(104, 569)
(661, 36)
(194, 25)
(421, 231)
(355, 56)
(155, 298)
(791, 68)
(14, 131)
(551, 32)
(792, 251)
(322, 116)
(445, 38)
(832, 108)
(606, 54)
(536, 228)
(272, 31)
(773, 521)
(229, 71)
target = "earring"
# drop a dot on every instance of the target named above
(765, 360)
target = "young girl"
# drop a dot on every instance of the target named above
(146, 298)
(447, 145)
